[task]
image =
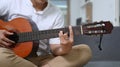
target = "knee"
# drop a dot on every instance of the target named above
(84, 50)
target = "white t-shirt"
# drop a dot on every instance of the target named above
(50, 18)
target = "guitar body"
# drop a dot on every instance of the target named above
(21, 25)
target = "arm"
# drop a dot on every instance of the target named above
(61, 46)
(4, 41)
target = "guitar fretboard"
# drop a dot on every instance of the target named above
(45, 34)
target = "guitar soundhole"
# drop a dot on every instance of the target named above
(14, 37)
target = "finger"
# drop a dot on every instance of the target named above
(71, 33)
(61, 35)
(4, 44)
(66, 36)
(1, 45)
(7, 33)
(8, 40)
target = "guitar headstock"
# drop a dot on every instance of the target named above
(103, 27)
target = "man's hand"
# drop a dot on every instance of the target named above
(4, 41)
(65, 41)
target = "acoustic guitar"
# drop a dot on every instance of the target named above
(25, 34)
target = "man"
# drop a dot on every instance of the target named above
(60, 53)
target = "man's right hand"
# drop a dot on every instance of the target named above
(4, 41)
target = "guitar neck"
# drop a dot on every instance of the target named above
(45, 34)
(86, 29)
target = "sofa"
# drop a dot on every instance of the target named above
(109, 56)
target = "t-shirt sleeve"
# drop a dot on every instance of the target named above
(59, 23)
(4, 7)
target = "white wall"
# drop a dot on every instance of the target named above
(74, 11)
(104, 10)
(82, 11)
(117, 12)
